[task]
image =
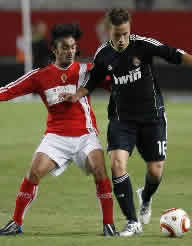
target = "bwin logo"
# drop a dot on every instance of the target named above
(131, 77)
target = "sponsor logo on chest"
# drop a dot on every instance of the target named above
(133, 76)
(53, 94)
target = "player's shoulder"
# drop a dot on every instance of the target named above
(47, 71)
(31, 74)
(49, 67)
(138, 39)
(101, 49)
(44, 70)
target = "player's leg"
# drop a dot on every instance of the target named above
(121, 141)
(41, 165)
(49, 157)
(96, 163)
(91, 159)
(152, 179)
(153, 149)
(122, 183)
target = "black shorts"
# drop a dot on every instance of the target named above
(149, 137)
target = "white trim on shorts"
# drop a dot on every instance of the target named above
(63, 150)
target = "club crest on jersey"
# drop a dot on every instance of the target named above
(136, 61)
(174, 218)
(63, 77)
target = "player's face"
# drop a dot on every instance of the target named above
(65, 51)
(120, 35)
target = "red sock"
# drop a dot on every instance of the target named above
(104, 194)
(26, 195)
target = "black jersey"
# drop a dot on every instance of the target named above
(135, 92)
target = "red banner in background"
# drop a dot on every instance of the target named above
(173, 28)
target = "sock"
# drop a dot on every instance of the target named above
(26, 195)
(104, 194)
(151, 185)
(124, 195)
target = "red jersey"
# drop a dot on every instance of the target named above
(64, 118)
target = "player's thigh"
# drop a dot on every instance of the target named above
(96, 164)
(96, 159)
(41, 165)
(152, 140)
(59, 149)
(119, 160)
(89, 153)
(121, 136)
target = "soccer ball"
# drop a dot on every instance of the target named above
(174, 222)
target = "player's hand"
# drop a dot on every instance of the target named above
(68, 97)
(74, 98)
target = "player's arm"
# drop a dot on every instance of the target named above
(95, 76)
(175, 56)
(22, 86)
(187, 59)
(172, 55)
(106, 84)
(67, 97)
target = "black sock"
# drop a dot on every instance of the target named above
(124, 195)
(151, 185)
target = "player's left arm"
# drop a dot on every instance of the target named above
(187, 59)
(168, 53)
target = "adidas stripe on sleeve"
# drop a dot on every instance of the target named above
(156, 48)
(22, 86)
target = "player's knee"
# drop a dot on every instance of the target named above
(34, 175)
(118, 167)
(99, 172)
(155, 176)
(156, 170)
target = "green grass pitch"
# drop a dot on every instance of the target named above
(66, 211)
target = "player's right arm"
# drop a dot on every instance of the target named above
(22, 86)
(96, 75)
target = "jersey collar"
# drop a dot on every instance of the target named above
(61, 68)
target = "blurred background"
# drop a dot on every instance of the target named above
(25, 26)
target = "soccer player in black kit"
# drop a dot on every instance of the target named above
(136, 111)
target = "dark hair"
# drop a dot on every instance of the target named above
(64, 30)
(118, 16)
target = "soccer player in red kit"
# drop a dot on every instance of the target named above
(71, 133)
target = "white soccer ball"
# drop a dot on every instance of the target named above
(174, 222)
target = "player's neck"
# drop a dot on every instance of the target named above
(62, 66)
(115, 48)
